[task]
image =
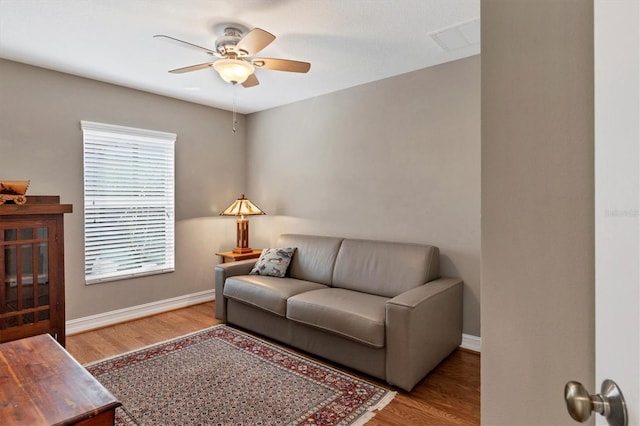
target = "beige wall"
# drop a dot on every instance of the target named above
(537, 208)
(397, 159)
(41, 140)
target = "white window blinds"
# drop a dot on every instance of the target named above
(128, 202)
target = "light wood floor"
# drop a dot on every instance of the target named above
(448, 396)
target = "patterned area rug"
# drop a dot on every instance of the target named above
(222, 376)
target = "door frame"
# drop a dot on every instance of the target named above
(617, 194)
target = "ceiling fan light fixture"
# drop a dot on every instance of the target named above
(233, 70)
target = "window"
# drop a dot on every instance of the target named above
(128, 202)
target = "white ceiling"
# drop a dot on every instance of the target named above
(348, 42)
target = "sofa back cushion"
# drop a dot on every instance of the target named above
(314, 258)
(384, 268)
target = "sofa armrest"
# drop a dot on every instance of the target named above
(423, 326)
(224, 271)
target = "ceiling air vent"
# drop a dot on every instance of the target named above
(462, 35)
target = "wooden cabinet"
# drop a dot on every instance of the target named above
(32, 268)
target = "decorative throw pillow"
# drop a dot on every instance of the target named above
(273, 262)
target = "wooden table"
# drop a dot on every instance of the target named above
(41, 384)
(229, 256)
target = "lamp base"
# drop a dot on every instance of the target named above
(242, 237)
(242, 250)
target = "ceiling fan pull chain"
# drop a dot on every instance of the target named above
(233, 127)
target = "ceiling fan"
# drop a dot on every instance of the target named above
(236, 52)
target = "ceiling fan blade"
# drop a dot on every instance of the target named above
(251, 81)
(192, 68)
(254, 41)
(281, 64)
(195, 46)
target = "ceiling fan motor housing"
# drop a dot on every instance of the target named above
(226, 44)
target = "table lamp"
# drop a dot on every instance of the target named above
(242, 207)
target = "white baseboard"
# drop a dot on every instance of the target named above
(91, 322)
(470, 342)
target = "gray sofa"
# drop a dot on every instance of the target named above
(377, 307)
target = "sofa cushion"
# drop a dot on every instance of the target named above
(314, 257)
(273, 262)
(384, 268)
(268, 293)
(356, 316)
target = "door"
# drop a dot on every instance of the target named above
(617, 206)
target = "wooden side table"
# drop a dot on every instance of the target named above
(41, 384)
(229, 256)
